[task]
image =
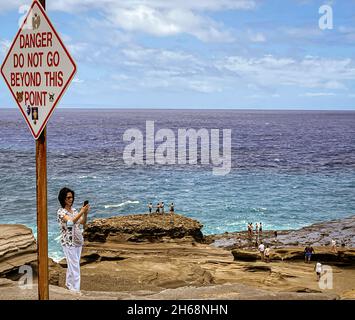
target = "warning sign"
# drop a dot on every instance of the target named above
(37, 69)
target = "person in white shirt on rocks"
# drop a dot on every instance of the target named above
(262, 250)
(318, 269)
(334, 245)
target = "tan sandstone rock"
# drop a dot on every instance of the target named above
(17, 247)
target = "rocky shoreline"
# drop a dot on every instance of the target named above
(163, 256)
(318, 234)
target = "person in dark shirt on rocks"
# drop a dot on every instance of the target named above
(308, 251)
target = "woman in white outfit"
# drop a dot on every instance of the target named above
(71, 222)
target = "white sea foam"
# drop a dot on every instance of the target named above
(259, 209)
(56, 256)
(120, 204)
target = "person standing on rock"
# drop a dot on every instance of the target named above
(334, 246)
(70, 222)
(318, 269)
(150, 207)
(171, 214)
(308, 251)
(262, 251)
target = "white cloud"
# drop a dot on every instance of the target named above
(78, 49)
(163, 18)
(155, 17)
(149, 68)
(334, 85)
(264, 96)
(267, 76)
(164, 57)
(167, 22)
(303, 33)
(204, 86)
(310, 72)
(77, 80)
(318, 94)
(256, 37)
(211, 5)
(150, 20)
(158, 63)
(4, 46)
(199, 5)
(13, 5)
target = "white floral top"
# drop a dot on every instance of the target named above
(71, 234)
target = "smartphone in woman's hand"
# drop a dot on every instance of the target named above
(86, 202)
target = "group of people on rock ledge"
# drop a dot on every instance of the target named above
(258, 229)
(160, 207)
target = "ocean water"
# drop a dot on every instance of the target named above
(289, 168)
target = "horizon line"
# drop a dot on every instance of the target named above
(186, 108)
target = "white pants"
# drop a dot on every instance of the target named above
(72, 255)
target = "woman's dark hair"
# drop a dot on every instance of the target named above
(63, 194)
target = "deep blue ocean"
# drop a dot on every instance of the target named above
(289, 168)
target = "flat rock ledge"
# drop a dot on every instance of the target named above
(17, 247)
(143, 228)
(343, 257)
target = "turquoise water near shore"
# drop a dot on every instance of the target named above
(289, 169)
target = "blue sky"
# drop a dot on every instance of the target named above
(254, 54)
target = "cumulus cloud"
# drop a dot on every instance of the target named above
(162, 18)
(167, 22)
(199, 5)
(155, 17)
